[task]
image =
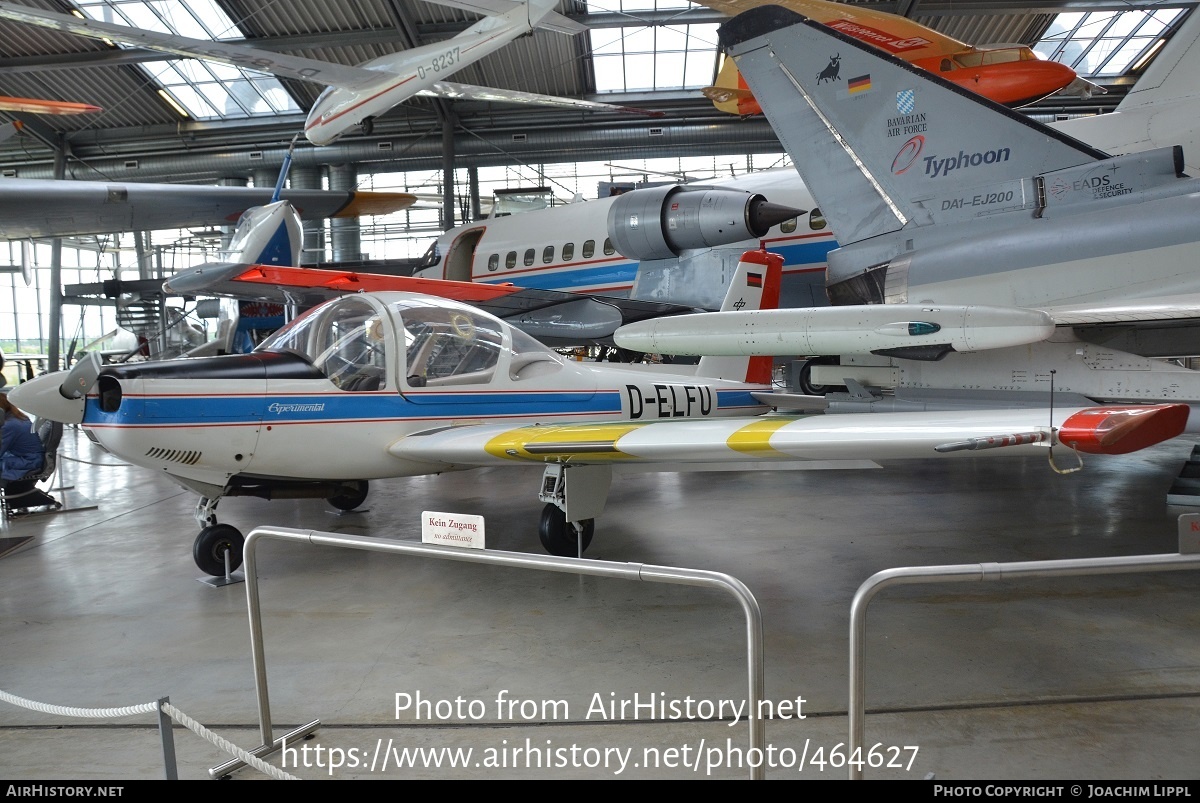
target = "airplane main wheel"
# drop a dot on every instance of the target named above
(558, 536)
(805, 379)
(350, 499)
(211, 544)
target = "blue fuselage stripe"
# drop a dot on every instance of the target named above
(796, 256)
(197, 410)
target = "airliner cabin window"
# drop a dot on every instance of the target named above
(608, 247)
(589, 248)
(568, 252)
(529, 257)
(510, 261)
(788, 226)
(493, 262)
(816, 221)
(548, 254)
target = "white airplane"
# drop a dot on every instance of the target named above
(356, 95)
(396, 384)
(1073, 252)
(680, 245)
(560, 249)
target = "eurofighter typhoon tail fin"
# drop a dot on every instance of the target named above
(881, 144)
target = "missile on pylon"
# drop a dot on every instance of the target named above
(912, 331)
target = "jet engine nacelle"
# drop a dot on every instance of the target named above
(662, 222)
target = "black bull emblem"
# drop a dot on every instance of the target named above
(830, 73)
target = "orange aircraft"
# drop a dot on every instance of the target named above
(1012, 75)
(35, 106)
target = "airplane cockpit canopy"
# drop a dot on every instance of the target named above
(355, 339)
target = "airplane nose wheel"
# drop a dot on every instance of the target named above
(211, 544)
(558, 535)
(350, 498)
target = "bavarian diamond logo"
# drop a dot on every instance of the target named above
(906, 101)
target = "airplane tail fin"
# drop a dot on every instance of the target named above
(10, 130)
(879, 141)
(729, 93)
(271, 234)
(755, 285)
(1172, 74)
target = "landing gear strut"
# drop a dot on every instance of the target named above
(574, 496)
(215, 539)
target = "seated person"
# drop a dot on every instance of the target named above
(21, 452)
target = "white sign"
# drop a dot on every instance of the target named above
(452, 529)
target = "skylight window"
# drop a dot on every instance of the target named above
(206, 90)
(639, 57)
(1105, 43)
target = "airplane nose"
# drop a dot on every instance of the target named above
(42, 396)
(1041, 78)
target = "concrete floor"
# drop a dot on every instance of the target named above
(1054, 679)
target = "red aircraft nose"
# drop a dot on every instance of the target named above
(1015, 83)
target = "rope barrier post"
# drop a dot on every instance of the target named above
(167, 735)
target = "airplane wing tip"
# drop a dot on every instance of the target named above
(376, 203)
(1122, 429)
(756, 22)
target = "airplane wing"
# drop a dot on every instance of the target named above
(453, 91)
(896, 35)
(50, 208)
(1113, 429)
(552, 316)
(553, 21)
(233, 53)
(36, 106)
(1174, 307)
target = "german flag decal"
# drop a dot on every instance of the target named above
(860, 84)
(753, 279)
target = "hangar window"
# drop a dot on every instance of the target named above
(548, 254)
(530, 254)
(510, 261)
(568, 252)
(204, 90)
(589, 248)
(493, 262)
(1108, 43)
(643, 57)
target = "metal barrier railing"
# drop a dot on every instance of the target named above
(546, 563)
(967, 573)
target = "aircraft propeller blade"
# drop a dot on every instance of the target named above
(81, 378)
